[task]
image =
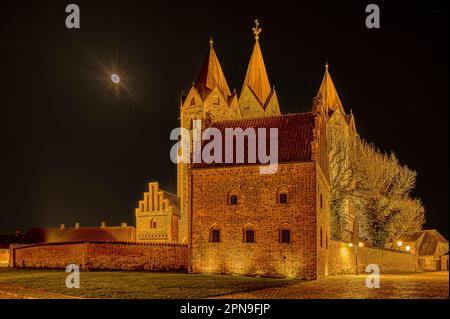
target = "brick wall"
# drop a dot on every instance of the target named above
(102, 255)
(342, 259)
(258, 208)
(4, 257)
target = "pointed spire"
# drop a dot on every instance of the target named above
(211, 75)
(328, 93)
(256, 77)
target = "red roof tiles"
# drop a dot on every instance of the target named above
(295, 134)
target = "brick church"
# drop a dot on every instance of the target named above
(234, 219)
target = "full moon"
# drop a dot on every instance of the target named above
(115, 78)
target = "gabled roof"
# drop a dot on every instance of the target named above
(211, 75)
(295, 134)
(174, 200)
(57, 235)
(328, 93)
(256, 77)
(410, 237)
(41, 235)
(97, 233)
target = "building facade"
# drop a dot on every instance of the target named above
(430, 247)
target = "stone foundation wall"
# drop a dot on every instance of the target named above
(342, 259)
(102, 255)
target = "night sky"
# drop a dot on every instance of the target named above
(75, 149)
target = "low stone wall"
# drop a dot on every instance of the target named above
(101, 255)
(342, 259)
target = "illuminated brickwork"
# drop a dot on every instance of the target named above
(157, 216)
(102, 255)
(257, 209)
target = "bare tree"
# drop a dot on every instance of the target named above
(381, 183)
(411, 218)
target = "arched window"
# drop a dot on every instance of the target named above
(285, 233)
(152, 223)
(282, 195)
(283, 198)
(214, 234)
(249, 233)
(193, 101)
(191, 123)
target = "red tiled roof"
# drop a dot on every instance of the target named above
(57, 235)
(97, 233)
(295, 134)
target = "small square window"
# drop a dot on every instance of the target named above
(233, 200)
(215, 236)
(285, 236)
(249, 236)
(283, 198)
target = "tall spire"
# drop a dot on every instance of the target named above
(211, 75)
(328, 93)
(256, 77)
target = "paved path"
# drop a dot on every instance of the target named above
(395, 286)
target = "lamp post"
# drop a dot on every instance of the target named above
(355, 246)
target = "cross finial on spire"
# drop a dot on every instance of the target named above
(256, 30)
(211, 42)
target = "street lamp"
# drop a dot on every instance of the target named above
(408, 248)
(360, 244)
(399, 243)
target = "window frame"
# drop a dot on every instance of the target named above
(212, 238)
(246, 232)
(283, 195)
(282, 237)
(231, 201)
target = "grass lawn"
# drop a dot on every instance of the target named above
(132, 284)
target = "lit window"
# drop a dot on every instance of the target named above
(283, 198)
(285, 236)
(215, 236)
(249, 236)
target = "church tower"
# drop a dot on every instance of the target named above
(257, 97)
(208, 100)
(340, 132)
